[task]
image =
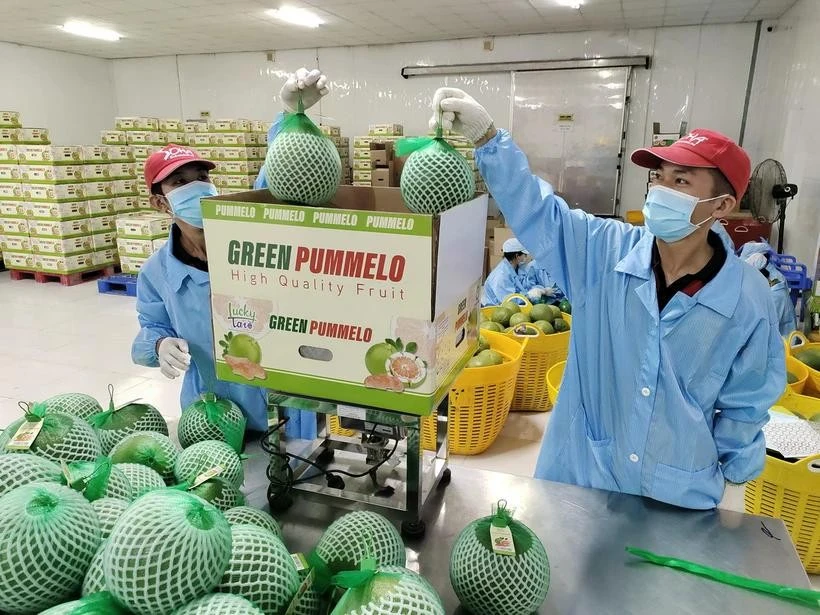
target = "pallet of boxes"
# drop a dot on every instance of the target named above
(139, 236)
(373, 156)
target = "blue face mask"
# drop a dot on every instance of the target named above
(668, 213)
(185, 201)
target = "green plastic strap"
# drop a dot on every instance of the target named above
(798, 594)
(36, 412)
(323, 575)
(349, 579)
(502, 516)
(102, 603)
(360, 586)
(96, 483)
(405, 147)
(101, 418)
(300, 122)
(215, 415)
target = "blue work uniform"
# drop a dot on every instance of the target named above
(778, 287)
(536, 275)
(667, 405)
(174, 300)
(503, 280)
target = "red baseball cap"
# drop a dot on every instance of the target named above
(704, 149)
(167, 160)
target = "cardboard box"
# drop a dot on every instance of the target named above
(15, 243)
(8, 152)
(231, 167)
(99, 224)
(389, 130)
(125, 187)
(232, 181)
(63, 154)
(58, 228)
(381, 154)
(195, 126)
(171, 125)
(95, 154)
(229, 139)
(229, 125)
(120, 153)
(10, 119)
(50, 245)
(197, 139)
(136, 247)
(176, 138)
(19, 260)
(11, 191)
(143, 226)
(95, 190)
(230, 153)
(318, 287)
(361, 153)
(54, 192)
(9, 173)
(383, 178)
(257, 153)
(142, 152)
(124, 204)
(146, 137)
(58, 211)
(502, 234)
(362, 176)
(361, 183)
(132, 264)
(102, 207)
(113, 137)
(104, 240)
(13, 226)
(74, 263)
(330, 131)
(136, 123)
(9, 135)
(34, 136)
(51, 174)
(363, 164)
(105, 256)
(12, 209)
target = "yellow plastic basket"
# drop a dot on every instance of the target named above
(801, 371)
(541, 353)
(798, 341)
(555, 375)
(334, 426)
(635, 217)
(480, 398)
(791, 491)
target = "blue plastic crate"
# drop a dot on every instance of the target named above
(120, 284)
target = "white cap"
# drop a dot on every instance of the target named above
(513, 245)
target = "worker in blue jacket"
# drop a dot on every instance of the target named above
(173, 287)
(540, 284)
(756, 253)
(508, 276)
(674, 357)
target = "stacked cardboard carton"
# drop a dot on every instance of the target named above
(379, 134)
(236, 146)
(139, 235)
(15, 243)
(334, 133)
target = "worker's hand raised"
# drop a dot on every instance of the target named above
(311, 83)
(460, 112)
(173, 357)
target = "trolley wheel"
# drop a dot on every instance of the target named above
(326, 457)
(278, 501)
(413, 530)
(446, 478)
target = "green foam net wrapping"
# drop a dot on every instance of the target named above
(260, 569)
(98, 479)
(18, 470)
(212, 418)
(245, 515)
(493, 584)
(148, 448)
(115, 424)
(302, 165)
(109, 511)
(203, 456)
(387, 591)
(357, 536)
(94, 581)
(101, 603)
(142, 478)
(435, 177)
(49, 535)
(219, 604)
(169, 548)
(221, 494)
(62, 438)
(76, 404)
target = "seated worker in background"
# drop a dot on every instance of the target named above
(756, 254)
(508, 276)
(540, 284)
(674, 356)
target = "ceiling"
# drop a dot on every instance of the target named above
(167, 27)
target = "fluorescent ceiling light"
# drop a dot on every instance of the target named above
(573, 4)
(82, 28)
(296, 16)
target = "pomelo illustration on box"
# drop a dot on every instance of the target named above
(376, 306)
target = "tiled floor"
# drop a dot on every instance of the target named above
(56, 339)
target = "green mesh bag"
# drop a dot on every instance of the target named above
(221, 494)
(62, 438)
(260, 569)
(357, 536)
(219, 604)
(241, 515)
(302, 165)
(386, 591)
(98, 479)
(76, 404)
(49, 535)
(18, 470)
(142, 478)
(493, 584)
(148, 448)
(169, 548)
(203, 456)
(101, 603)
(115, 424)
(435, 177)
(212, 418)
(109, 511)
(94, 581)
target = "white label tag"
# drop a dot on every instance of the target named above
(351, 412)
(206, 476)
(502, 540)
(300, 561)
(25, 436)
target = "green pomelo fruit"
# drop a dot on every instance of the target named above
(244, 346)
(542, 311)
(142, 478)
(169, 548)
(560, 325)
(361, 535)
(62, 438)
(483, 344)
(212, 418)
(260, 569)
(101, 603)
(115, 425)
(109, 511)
(48, 538)
(809, 356)
(303, 168)
(76, 404)
(220, 493)
(517, 319)
(491, 357)
(245, 515)
(512, 306)
(791, 378)
(376, 357)
(18, 470)
(545, 326)
(436, 178)
(501, 315)
(393, 591)
(565, 306)
(219, 604)
(203, 456)
(148, 448)
(492, 326)
(95, 576)
(116, 485)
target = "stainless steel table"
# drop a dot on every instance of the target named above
(585, 532)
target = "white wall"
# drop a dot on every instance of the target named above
(71, 95)
(699, 75)
(783, 119)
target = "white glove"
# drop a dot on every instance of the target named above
(312, 84)
(460, 112)
(549, 292)
(757, 260)
(173, 357)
